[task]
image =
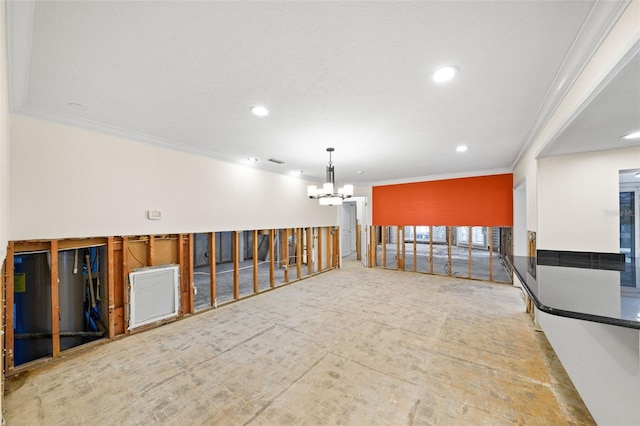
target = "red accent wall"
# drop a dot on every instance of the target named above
(473, 201)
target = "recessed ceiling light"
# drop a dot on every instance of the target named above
(259, 110)
(461, 148)
(252, 160)
(638, 175)
(444, 74)
(634, 135)
(360, 172)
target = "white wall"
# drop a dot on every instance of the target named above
(578, 200)
(70, 182)
(603, 362)
(4, 150)
(616, 45)
(520, 220)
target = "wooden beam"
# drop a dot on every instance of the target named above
(415, 251)
(272, 250)
(449, 266)
(29, 246)
(151, 251)
(81, 243)
(110, 289)
(309, 246)
(319, 249)
(286, 255)
(189, 266)
(373, 246)
(490, 253)
(298, 253)
(182, 274)
(256, 288)
(327, 230)
(338, 247)
(470, 250)
(431, 249)
(236, 265)
(358, 241)
(384, 246)
(55, 300)
(212, 268)
(9, 314)
(125, 282)
(398, 249)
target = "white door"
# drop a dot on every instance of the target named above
(348, 228)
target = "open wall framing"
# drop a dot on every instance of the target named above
(95, 271)
(474, 252)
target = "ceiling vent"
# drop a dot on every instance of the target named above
(273, 160)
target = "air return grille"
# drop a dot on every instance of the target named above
(274, 160)
(154, 294)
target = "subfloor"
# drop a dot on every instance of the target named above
(352, 346)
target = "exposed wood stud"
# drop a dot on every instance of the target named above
(110, 288)
(449, 238)
(55, 299)
(256, 287)
(384, 246)
(358, 241)
(272, 250)
(298, 252)
(470, 249)
(415, 251)
(212, 268)
(236, 265)
(309, 245)
(189, 266)
(430, 249)
(286, 254)
(183, 273)
(125, 281)
(398, 249)
(151, 254)
(490, 253)
(328, 247)
(373, 246)
(9, 313)
(319, 249)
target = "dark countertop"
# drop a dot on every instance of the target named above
(592, 289)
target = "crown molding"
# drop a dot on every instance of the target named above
(601, 19)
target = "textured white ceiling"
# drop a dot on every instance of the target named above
(352, 75)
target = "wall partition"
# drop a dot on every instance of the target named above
(456, 227)
(446, 250)
(65, 293)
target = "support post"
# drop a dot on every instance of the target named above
(490, 253)
(298, 232)
(287, 234)
(111, 277)
(236, 265)
(55, 300)
(319, 248)
(212, 269)
(272, 249)
(255, 261)
(309, 245)
(9, 313)
(470, 249)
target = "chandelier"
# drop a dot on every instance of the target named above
(327, 194)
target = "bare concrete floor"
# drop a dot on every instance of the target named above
(351, 346)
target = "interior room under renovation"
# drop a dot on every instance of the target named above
(309, 213)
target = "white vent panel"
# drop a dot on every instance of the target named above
(154, 295)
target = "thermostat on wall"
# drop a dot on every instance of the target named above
(154, 214)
